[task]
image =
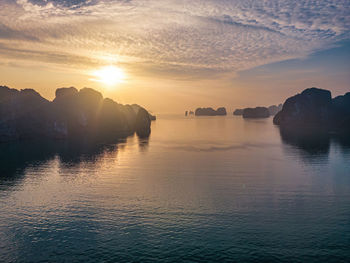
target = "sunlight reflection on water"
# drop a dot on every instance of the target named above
(208, 188)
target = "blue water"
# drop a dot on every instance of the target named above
(214, 189)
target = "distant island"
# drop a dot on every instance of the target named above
(25, 114)
(315, 110)
(152, 117)
(274, 109)
(258, 112)
(210, 112)
(189, 113)
(238, 112)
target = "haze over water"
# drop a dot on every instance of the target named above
(204, 188)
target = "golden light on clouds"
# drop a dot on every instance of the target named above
(109, 75)
(188, 53)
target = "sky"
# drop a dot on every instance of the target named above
(177, 55)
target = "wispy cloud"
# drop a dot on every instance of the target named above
(218, 35)
(13, 34)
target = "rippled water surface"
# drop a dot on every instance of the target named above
(199, 189)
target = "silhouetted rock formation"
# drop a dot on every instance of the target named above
(341, 112)
(24, 114)
(238, 112)
(205, 112)
(258, 112)
(210, 112)
(152, 117)
(314, 109)
(273, 109)
(72, 114)
(221, 111)
(143, 123)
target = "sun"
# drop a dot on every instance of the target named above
(109, 75)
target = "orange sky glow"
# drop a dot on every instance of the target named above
(172, 56)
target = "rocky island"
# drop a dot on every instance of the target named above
(25, 114)
(315, 110)
(238, 112)
(258, 112)
(210, 112)
(274, 109)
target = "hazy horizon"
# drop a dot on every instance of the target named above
(177, 55)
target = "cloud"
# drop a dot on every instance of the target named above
(46, 56)
(217, 35)
(9, 33)
(66, 3)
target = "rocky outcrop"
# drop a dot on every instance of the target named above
(258, 112)
(221, 111)
(152, 117)
(65, 92)
(143, 123)
(273, 109)
(24, 114)
(210, 112)
(72, 114)
(341, 112)
(314, 109)
(238, 112)
(205, 112)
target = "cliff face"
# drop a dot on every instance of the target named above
(143, 123)
(72, 114)
(24, 114)
(341, 112)
(315, 109)
(87, 113)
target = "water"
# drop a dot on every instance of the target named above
(200, 189)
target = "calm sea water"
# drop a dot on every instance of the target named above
(199, 189)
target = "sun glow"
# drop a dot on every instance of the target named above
(109, 75)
